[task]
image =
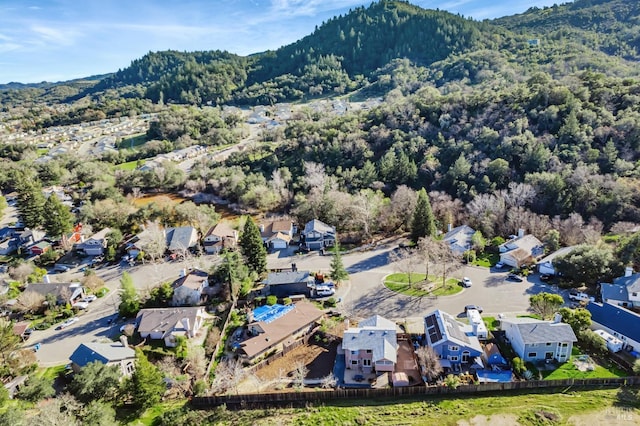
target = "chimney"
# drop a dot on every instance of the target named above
(346, 323)
(123, 340)
(46, 279)
(185, 323)
(449, 227)
(520, 233)
(628, 271)
(557, 318)
(294, 267)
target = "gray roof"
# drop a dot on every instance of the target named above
(614, 292)
(165, 319)
(181, 238)
(632, 282)
(319, 226)
(277, 278)
(452, 330)
(460, 236)
(101, 352)
(536, 331)
(376, 334)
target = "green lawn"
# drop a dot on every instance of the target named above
(133, 141)
(486, 259)
(42, 151)
(568, 370)
(51, 372)
(400, 284)
(148, 417)
(130, 165)
(491, 322)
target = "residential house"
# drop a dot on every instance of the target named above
(146, 238)
(168, 323)
(111, 353)
(94, 245)
(73, 237)
(29, 237)
(277, 234)
(459, 238)
(453, 341)
(40, 248)
(617, 321)
(274, 328)
(285, 284)
(535, 340)
(63, 292)
(181, 239)
(318, 235)
(491, 356)
(8, 247)
(521, 251)
(371, 346)
(219, 237)
(624, 291)
(545, 265)
(188, 289)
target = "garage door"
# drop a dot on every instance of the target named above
(278, 244)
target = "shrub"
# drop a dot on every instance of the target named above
(330, 302)
(199, 387)
(518, 365)
(272, 300)
(496, 241)
(287, 301)
(469, 256)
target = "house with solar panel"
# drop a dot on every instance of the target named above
(454, 342)
(534, 340)
(372, 346)
(275, 328)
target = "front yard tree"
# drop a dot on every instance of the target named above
(585, 265)
(545, 304)
(429, 250)
(478, 241)
(252, 247)
(423, 223)
(57, 217)
(96, 381)
(129, 299)
(338, 272)
(579, 319)
(146, 384)
(406, 262)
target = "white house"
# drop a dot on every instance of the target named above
(617, 321)
(535, 340)
(218, 237)
(545, 266)
(168, 323)
(624, 291)
(188, 289)
(520, 251)
(277, 234)
(94, 245)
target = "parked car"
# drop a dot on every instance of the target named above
(81, 305)
(466, 282)
(67, 323)
(499, 265)
(515, 277)
(27, 333)
(470, 307)
(89, 298)
(545, 277)
(577, 296)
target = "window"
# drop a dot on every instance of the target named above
(366, 362)
(453, 357)
(368, 351)
(634, 294)
(129, 367)
(564, 345)
(465, 356)
(453, 348)
(354, 352)
(548, 343)
(532, 355)
(354, 362)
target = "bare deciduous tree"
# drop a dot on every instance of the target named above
(229, 374)
(30, 301)
(21, 272)
(329, 381)
(299, 373)
(92, 282)
(429, 250)
(429, 362)
(446, 210)
(406, 262)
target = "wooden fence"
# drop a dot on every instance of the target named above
(303, 341)
(222, 340)
(319, 396)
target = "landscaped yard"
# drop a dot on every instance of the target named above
(130, 165)
(400, 284)
(569, 370)
(492, 323)
(486, 259)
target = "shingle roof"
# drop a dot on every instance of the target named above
(165, 319)
(614, 292)
(616, 318)
(319, 226)
(376, 334)
(632, 282)
(536, 331)
(222, 229)
(452, 330)
(101, 352)
(459, 236)
(181, 238)
(192, 280)
(277, 278)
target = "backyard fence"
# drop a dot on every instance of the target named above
(319, 396)
(222, 340)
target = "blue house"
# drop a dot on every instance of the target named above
(492, 356)
(617, 321)
(452, 340)
(110, 353)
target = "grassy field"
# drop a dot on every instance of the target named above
(129, 165)
(593, 406)
(400, 284)
(486, 259)
(133, 141)
(568, 370)
(51, 372)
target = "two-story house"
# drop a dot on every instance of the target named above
(535, 340)
(95, 244)
(112, 353)
(453, 341)
(523, 250)
(318, 235)
(277, 234)
(372, 346)
(168, 323)
(624, 291)
(188, 289)
(219, 237)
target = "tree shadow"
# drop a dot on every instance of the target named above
(376, 261)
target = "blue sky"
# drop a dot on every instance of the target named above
(57, 40)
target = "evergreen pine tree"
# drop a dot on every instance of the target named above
(30, 202)
(423, 223)
(146, 384)
(57, 217)
(338, 272)
(252, 247)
